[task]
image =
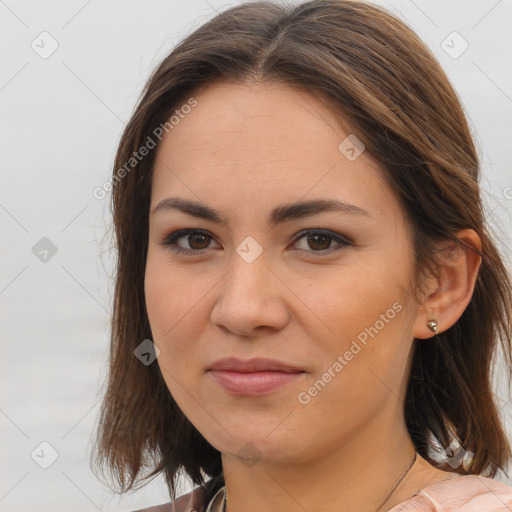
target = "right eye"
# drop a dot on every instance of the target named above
(198, 241)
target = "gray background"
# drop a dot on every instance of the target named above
(61, 120)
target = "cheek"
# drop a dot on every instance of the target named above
(158, 299)
(164, 313)
(169, 295)
(165, 305)
(361, 313)
(352, 297)
(176, 317)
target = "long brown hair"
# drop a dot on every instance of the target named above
(382, 79)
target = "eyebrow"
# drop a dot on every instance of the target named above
(278, 215)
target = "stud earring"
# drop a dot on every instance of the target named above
(432, 325)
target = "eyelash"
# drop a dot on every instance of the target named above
(170, 241)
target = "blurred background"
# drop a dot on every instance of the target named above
(70, 77)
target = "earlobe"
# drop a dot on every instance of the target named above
(458, 272)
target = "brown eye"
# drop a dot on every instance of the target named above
(197, 241)
(320, 241)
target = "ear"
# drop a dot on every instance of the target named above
(448, 295)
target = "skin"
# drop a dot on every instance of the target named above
(243, 150)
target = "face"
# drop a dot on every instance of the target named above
(326, 291)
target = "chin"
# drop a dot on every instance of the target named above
(258, 447)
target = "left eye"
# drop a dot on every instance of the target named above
(321, 240)
(318, 240)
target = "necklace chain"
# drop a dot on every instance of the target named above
(399, 480)
(225, 499)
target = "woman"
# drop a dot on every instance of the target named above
(308, 298)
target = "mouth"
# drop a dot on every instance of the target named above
(254, 383)
(257, 376)
(257, 364)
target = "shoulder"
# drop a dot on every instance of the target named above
(467, 493)
(190, 502)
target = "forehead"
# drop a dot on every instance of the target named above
(256, 142)
(239, 121)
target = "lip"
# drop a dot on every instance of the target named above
(253, 383)
(253, 377)
(257, 364)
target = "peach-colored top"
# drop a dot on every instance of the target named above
(464, 493)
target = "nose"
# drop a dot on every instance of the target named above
(251, 299)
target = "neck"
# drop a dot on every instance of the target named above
(356, 476)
